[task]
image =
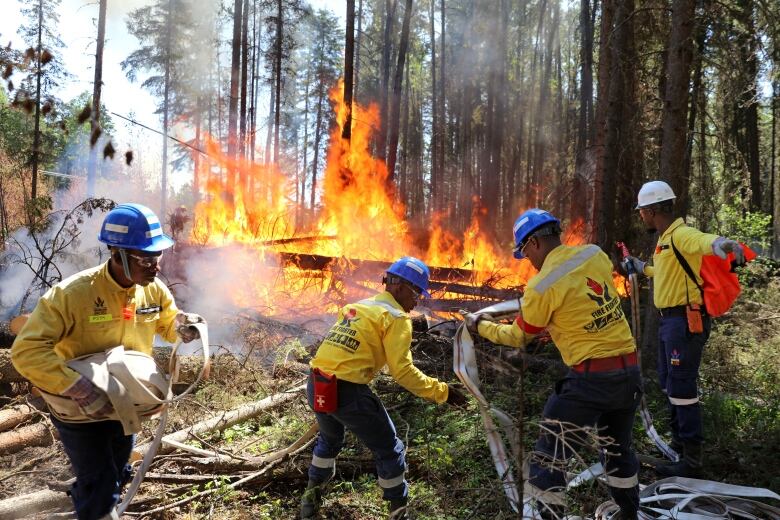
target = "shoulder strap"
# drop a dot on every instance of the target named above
(686, 266)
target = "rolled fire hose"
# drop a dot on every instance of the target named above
(644, 412)
(173, 373)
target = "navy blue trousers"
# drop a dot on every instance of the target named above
(361, 412)
(679, 358)
(607, 401)
(99, 453)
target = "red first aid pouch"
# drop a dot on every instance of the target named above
(326, 395)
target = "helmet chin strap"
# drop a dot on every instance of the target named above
(125, 265)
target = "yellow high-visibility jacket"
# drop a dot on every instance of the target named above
(572, 297)
(88, 313)
(672, 287)
(369, 335)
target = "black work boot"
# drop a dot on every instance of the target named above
(690, 465)
(311, 500)
(399, 509)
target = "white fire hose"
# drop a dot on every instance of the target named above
(173, 375)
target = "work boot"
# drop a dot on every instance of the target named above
(399, 509)
(311, 500)
(690, 465)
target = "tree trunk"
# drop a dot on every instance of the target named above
(774, 195)
(317, 136)
(438, 200)
(585, 130)
(96, 89)
(244, 86)
(305, 140)
(396, 98)
(256, 28)
(37, 131)
(235, 76)
(349, 59)
(278, 59)
(435, 180)
(381, 140)
(602, 103)
(166, 104)
(357, 48)
(678, 74)
(683, 203)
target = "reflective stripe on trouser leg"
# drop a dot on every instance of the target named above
(389, 483)
(323, 463)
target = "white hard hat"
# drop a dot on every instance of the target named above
(654, 192)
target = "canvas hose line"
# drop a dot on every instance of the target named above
(173, 373)
(636, 328)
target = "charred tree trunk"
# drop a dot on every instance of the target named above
(435, 181)
(244, 86)
(396, 98)
(317, 135)
(438, 198)
(349, 59)
(602, 103)
(578, 207)
(357, 48)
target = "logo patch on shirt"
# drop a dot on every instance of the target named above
(674, 359)
(609, 310)
(100, 306)
(660, 248)
(349, 318)
(152, 309)
(100, 318)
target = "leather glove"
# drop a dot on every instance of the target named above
(185, 329)
(455, 397)
(92, 401)
(472, 320)
(723, 246)
(632, 262)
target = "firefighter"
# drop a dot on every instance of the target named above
(684, 324)
(367, 336)
(120, 302)
(573, 298)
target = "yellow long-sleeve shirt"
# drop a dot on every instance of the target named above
(88, 313)
(672, 287)
(572, 297)
(369, 335)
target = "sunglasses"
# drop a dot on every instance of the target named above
(521, 247)
(146, 261)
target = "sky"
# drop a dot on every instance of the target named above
(78, 23)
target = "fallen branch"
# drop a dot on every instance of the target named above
(13, 416)
(225, 420)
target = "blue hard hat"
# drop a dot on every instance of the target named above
(527, 223)
(133, 226)
(414, 271)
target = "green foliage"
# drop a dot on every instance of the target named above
(237, 432)
(754, 228)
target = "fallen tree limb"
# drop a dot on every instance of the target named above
(252, 476)
(227, 419)
(22, 506)
(37, 434)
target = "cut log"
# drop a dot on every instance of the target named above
(22, 506)
(13, 416)
(227, 419)
(37, 434)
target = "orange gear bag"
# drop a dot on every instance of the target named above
(720, 284)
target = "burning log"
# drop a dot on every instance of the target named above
(480, 292)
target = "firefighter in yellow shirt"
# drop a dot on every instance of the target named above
(367, 336)
(573, 298)
(684, 325)
(121, 302)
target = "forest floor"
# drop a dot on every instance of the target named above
(451, 474)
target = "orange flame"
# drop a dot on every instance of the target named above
(360, 217)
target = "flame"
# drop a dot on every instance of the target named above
(252, 206)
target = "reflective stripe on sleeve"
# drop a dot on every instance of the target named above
(566, 267)
(623, 482)
(387, 483)
(320, 462)
(678, 401)
(389, 308)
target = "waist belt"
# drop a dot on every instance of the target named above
(606, 364)
(678, 310)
